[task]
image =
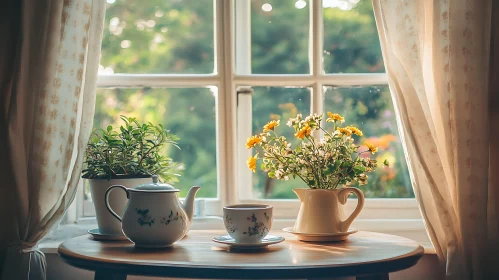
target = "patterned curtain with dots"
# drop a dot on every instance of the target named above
(50, 57)
(442, 61)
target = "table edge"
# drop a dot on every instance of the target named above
(244, 272)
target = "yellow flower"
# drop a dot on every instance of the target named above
(305, 131)
(355, 130)
(335, 117)
(252, 163)
(344, 130)
(271, 125)
(253, 140)
(371, 148)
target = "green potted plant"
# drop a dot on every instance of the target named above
(127, 156)
(328, 166)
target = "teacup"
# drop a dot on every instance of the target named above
(248, 223)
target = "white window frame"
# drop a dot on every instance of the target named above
(233, 73)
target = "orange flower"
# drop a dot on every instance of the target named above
(305, 131)
(335, 117)
(383, 142)
(274, 116)
(289, 108)
(252, 163)
(344, 130)
(253, 140)
(355, 130)
(371, 148)
(271, 125)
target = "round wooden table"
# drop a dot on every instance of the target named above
(366, 255)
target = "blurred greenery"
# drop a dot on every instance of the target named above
(177, 36)
(159, 36)
(351, 42)
(279, 38)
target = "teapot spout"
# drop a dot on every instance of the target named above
(189, 202)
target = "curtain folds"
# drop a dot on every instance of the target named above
(48, 99)
(442, 63)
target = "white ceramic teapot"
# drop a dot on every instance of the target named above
(154, 216)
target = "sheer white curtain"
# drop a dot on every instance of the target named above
(441, 58)
(48, 99)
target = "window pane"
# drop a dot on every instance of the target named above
(279, 37)
(351, 42)
(188, 113)
(277, 103)
(371, 109)
(158, 36)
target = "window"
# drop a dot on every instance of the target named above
(314, 56)
(215, 71)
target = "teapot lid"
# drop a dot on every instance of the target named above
(155, 186)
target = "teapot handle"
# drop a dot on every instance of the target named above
(107, 199)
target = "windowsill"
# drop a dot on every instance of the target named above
(408, 227)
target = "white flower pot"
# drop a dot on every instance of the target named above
(107, 223)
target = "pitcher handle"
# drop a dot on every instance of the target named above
(343, 195)
(107, 200)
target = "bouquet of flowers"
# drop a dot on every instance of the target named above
(326, 163)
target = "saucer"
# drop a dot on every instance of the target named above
(266, 241)
(105, 237)
(321, 237)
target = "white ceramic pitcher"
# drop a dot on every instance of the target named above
(321, 210)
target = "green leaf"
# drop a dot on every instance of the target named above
(134, 150)
(345, 164)
(343, 149)
(358, 169)
(386, 163)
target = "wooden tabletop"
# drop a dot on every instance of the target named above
(196, 256)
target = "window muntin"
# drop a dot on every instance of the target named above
(367, 107)
(228, 21)
(277, 103)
